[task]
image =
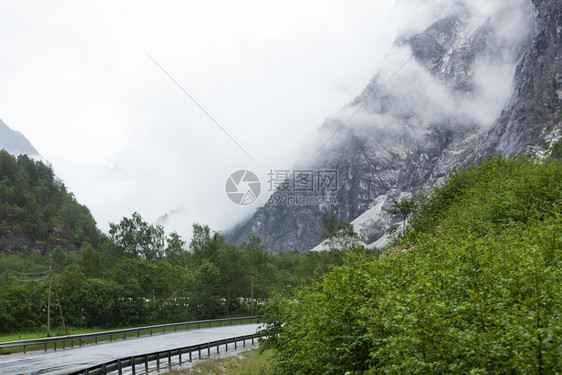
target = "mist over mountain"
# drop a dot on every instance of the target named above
(483, 78)
(15, 142)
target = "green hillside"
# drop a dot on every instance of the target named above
(37, 212)
(475, 287)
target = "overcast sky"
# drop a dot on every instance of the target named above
(78, 82)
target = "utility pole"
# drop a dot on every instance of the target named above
(60, 308)
(49, 304)
(252, 294)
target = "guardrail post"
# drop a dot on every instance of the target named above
(118, 364)
(84, 339)
(226, 346)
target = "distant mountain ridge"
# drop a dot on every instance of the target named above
(15, 142)
(475, 86)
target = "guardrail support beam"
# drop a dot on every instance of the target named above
(85, 338)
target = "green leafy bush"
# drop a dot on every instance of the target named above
(474, 288)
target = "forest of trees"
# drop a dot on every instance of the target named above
(134, 275)
(121, 283)
(35, 203)
(473, 287)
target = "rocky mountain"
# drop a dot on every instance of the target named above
(16, 143)
(473, 83)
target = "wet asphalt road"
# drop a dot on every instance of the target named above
(68, 360)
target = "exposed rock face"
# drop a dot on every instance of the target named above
(441, 109)
(12, 238)
(533, 114)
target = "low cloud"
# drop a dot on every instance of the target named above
(414, 98)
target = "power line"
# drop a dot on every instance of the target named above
(26, 273)
(30, 281)
(201, 107)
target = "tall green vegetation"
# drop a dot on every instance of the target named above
(138, 275)
(475, 286)
(33, 202)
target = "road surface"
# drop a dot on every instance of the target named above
(68, 360)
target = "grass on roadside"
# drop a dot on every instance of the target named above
(42, 334)
(252, 362)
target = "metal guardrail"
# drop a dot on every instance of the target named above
(122, 333)
(152, 361)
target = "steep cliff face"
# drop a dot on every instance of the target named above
(534, 114)
(436, 104)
